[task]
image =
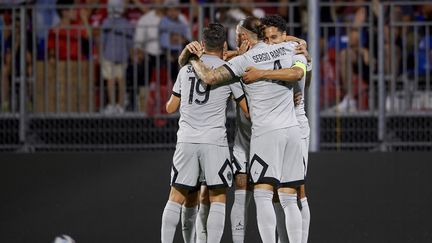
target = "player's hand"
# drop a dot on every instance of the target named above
(252, 74)
(195, 48)
(302, 49)
(244, 47)
(297, 98)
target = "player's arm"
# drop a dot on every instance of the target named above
(302, 50)
(192, 48)
(173, 103)
(295, 39)
(243, 106)
(244, 47)
(208, 75)
(292, 74)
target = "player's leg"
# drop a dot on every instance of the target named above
(188, 216)
(305, 212)
(216, 216)
(292, 178)
(242, 195)
(280, 219)
(301, 194)
(266, 218)
(265, 171)
(216, 164)
(184, 177)
(171, 214)
(201, 220)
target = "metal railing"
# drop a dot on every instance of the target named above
(373, 66)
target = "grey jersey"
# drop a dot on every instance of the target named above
(203, 107)
(243, 132)
(271, 103)
(300, 109)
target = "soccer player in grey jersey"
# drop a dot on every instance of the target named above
(275, 150)
(201, 139)
(241, 150)
(275, 33)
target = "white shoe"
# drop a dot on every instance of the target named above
(119, 109)
(109, 110)
(347, 104)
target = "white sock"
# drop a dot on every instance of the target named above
(201, 223)
(215, 222)
(293, 218)
(305, 219)
(170, 219)
(266, 217)
(239, 215)
(188, 218)
(280, 223)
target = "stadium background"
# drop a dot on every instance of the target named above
(76, 162)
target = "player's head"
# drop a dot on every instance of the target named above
(249, 29)
(275, 29)
(214, 37)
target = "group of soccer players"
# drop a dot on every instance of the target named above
(266, 77)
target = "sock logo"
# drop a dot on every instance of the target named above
(239, 226)
(185, 227)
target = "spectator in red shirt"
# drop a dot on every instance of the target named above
(68, 51)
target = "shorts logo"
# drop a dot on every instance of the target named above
(258, 168)
(229, 175)
(225, 173)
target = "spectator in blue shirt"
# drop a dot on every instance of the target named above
(174, 34)
(117, 43)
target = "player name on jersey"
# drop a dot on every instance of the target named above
(267, 56)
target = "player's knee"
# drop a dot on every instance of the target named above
(178, 195)
(288, 190)
(191, 199)
(241, 182)
(301, 191)
(264, 186)
(204, 195)
(217, 195)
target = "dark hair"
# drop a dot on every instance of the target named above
(214, 37)
(275, 21)
(63, 6)
(254, 25)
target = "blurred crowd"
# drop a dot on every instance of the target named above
(118, 55)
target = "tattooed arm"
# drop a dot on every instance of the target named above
(211, 76)
(192, 48)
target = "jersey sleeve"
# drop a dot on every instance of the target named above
(177, 85)
(300, 61)
(237, 91)
(237, 65)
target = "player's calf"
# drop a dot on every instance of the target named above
(171, 214)
(216, 217)
(188, 216)
(242, 197)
